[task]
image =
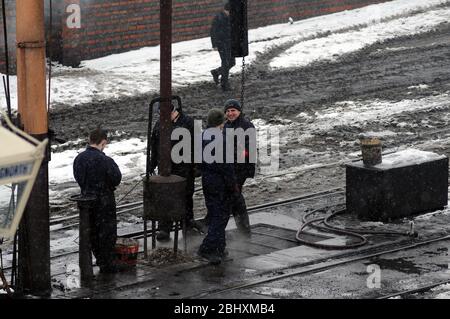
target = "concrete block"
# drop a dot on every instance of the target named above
(404, 184)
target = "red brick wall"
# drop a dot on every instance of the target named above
(114, 26)
(10, 8)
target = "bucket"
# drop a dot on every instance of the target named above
(371, 150)
(126, 251)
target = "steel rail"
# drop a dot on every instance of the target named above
(315, 268)
(139, 234)
(415, 290)
(138, 205)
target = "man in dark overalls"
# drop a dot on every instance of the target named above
(98, 175)
(179, 120)
(244, 166)
(219, 184)
(221, 41)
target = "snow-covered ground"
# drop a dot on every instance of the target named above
(320, 38)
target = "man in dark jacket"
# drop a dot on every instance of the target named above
(244, 165)
(98, 175)
(179, 120)
(221, 41)
(219, 184)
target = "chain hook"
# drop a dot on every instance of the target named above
(243, 83)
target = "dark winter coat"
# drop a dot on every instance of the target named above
(221, 31)
(218, 178)
(247, 169)
(96, 173)
(181, 169)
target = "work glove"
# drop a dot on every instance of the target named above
(197, 172)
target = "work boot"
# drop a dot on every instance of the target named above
(212, 257)
(109, 269)
(245, 233)
(226, 87)
(163, 235)
(193, 225)
(215, 75)
(225, 253)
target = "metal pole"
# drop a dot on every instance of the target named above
(153, 234)
(184, 235)
(34, 234)
(175, 240)
(85, 257)
(166, 85)
(5, 36)
(50, 53)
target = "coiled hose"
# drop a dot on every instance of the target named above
(352, 232)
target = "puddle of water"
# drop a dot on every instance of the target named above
(398, 264)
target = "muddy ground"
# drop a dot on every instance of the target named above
(383, 71)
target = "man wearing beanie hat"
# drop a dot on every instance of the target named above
(215, 118)
(179, 120)
(235, 120)
(221, 41)
(219, 184)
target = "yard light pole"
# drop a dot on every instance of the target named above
(166, 84)
(34, 232)
(165, 194)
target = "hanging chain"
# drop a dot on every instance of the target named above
(243, 83)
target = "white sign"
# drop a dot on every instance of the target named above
(74, 19)
(20, 159)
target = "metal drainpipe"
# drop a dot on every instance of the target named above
(165, 85)
(34, 234)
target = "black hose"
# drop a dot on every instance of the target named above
(310, 223)
(352, 232)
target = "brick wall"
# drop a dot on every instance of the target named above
(114, 26)
(10, 6)
(10, 9)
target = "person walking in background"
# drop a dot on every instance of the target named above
(98, 175)
(243, 170)
(221, 41)
(186, 170)
(219, 184)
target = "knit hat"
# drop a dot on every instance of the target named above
(233, 104)
(157, 107)
(215, 117)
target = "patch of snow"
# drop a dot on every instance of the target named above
(380, 134)
(443, 295)
(419, 87)
(331, 47)
(360, 113)
(408, 157)
(272, 291)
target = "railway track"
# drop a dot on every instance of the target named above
(297, 199)
(326, 264)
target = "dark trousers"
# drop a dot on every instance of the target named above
(239, 209)
(227, 63)
(218, 205)
(103, 223)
